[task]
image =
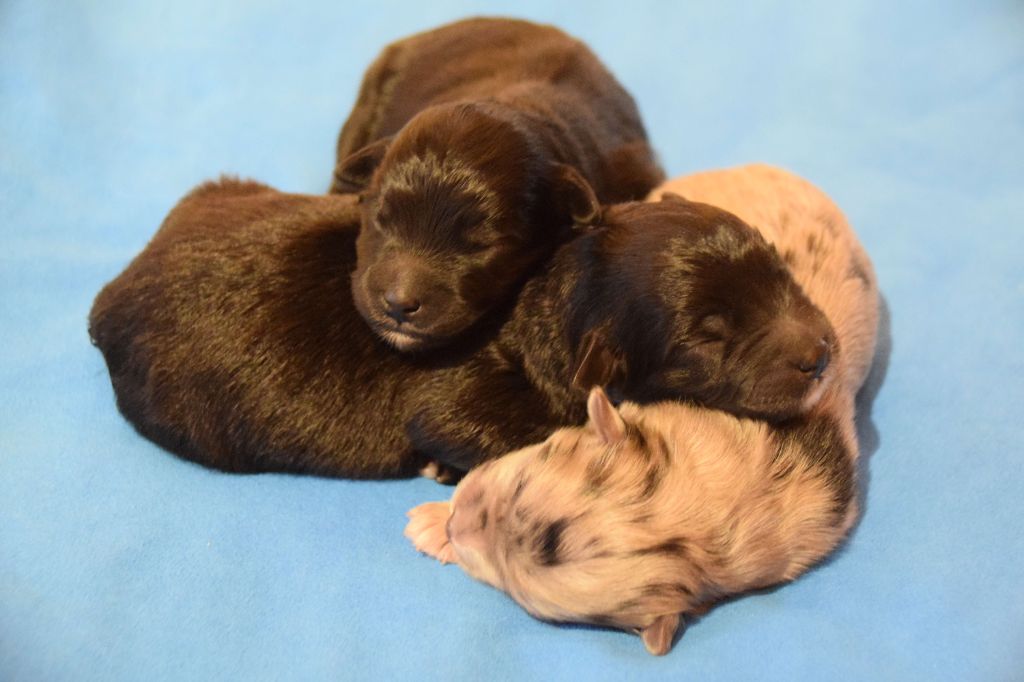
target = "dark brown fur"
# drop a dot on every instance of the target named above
(233, 340)
(477, 146)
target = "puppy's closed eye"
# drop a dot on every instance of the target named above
(713, 327)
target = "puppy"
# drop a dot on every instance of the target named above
(814, 240)
(232, 339)
(651, 513)
(477, 147)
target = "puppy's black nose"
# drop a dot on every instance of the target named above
(399, 305)
(814, 362)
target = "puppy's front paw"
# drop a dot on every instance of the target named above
(438, 472)
(426, 529)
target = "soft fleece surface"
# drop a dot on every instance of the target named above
(120, 562)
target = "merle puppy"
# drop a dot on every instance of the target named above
(477, 147)
(232, 339)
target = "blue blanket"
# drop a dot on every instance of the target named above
(121, 562)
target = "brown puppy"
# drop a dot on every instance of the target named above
(815, 241)
(232, 339)
(647, 514)
(476, 147)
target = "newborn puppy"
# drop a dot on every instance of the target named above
(232, 339)
(711, 314)
(650, 513)
(815, 241)
(476, 148)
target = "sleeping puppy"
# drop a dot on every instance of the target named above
(652, 513)
(815, 241)
(476, 148)
(232, 339)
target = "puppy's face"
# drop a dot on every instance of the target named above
(715, 316)
(456, 211)
(564, 527)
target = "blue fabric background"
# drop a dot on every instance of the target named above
(120, 562)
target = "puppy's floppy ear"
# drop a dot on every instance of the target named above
(658, 636)
(605, 417)
(353, 173)
(574, 199)
(597, 362)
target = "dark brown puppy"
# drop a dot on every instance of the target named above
(232, 339)
(477, 146)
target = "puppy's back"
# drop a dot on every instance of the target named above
(184, 329)
(457, 61)
(536, 68)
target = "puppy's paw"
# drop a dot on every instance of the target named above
(426, 530)
(437, 471)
